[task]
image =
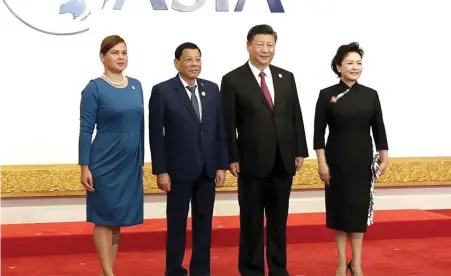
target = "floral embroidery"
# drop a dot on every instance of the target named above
(335, 99)
(375, 176)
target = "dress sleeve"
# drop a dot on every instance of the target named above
(88, 119)
(320, 122)
(378, 126)
(142, 151)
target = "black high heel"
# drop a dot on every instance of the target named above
(350, 268)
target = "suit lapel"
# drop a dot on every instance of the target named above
(203, 94)
(277, 79)
(254, 86)
(183, 96)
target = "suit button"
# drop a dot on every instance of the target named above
(201, 133)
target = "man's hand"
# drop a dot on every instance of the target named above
(220, 178)
(299, 161)
(164, 182)
(235, 169)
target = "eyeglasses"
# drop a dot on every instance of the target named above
(191, 59)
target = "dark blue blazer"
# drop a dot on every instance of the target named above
(180, 144)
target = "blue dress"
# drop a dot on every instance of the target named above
(116, 156)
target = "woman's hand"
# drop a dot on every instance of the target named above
(323, 171)
(86, 179)
(382, 167)
(384, 162)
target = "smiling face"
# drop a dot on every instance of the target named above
(116, 59)
(190, 64)
(351, 67)
(261, 50)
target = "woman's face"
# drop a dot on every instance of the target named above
(116, 59)
(351, 67)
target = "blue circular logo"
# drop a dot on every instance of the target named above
(63, 17)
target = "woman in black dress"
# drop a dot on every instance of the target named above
(351, 111)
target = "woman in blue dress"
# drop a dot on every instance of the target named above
(112, 164)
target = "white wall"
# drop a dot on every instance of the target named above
(407, 60)
(73, 209)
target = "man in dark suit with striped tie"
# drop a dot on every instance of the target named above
(189, 157)
(261, 104)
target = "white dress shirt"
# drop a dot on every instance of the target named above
(268, 79)
(190, 94)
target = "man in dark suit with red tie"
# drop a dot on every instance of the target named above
(267, 145)
(189, 157)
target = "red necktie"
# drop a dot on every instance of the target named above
(265, 89)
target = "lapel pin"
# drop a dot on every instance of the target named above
(133, 87)
(280, 75)
(203, 93)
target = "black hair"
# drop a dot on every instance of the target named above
(187, 45)
(342, 52)
(261, 29)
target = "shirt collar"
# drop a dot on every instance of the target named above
(257, 71)
(185, 84)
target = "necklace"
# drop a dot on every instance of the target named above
(112, 82)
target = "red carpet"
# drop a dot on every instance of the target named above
(76, 238)
(408, 242)
(417, 257)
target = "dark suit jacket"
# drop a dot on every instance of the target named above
(260, 129)
(180, 144)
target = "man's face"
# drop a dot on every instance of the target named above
(261, 49)
(190, 63)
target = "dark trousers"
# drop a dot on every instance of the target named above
(201, 193)
(257, 197)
